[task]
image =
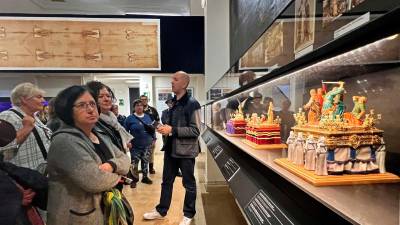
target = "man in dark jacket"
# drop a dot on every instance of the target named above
(152, 112)
(182, 129)
(164, 117)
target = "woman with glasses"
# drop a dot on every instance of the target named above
(82, 162)
(108, 122)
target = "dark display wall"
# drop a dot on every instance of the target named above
(248, 20)
(182, 44)
(264, 196)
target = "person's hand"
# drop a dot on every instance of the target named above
(106, 167)
(165, 129)
(28, 122)
(129, 145)
(27, 196)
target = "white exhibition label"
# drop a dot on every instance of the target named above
(216, 151)
(261, 210)
(230, 169)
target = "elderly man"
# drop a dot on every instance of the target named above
(182, 129)
(29, 148)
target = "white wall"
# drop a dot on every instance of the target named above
(54, 83)
(195, 8)
(146, 85)
(216, 41)
(150, 83)
(196, 82)
(216, 61)
(51, 84)
(121, 91)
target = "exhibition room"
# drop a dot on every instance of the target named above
(202, 112)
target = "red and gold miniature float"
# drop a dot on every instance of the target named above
(264, 133)
(236, 126)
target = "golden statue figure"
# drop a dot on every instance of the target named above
(356, 116)
(314, 108)
(270, 113)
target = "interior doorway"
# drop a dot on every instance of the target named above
(133, 95)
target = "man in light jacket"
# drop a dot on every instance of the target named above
(182, 130)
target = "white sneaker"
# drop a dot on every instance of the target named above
(153, 215)
(185, 221)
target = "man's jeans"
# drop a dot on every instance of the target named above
(171, 166)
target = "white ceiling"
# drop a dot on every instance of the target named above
(100, 7)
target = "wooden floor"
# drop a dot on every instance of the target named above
(219, 206)
(145, 197)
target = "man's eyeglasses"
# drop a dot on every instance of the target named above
(85, 105)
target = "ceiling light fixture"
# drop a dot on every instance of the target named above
(132, 82)
(155, 14)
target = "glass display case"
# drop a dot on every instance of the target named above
(334, 76)
(302, 28)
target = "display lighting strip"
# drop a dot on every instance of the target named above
(344, 57)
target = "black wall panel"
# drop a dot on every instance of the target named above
(182, 44)
(248, 20)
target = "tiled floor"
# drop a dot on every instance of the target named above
(220, 209)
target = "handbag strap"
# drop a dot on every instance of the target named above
(35, 133)
(141, 121)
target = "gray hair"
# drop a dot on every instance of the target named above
(24, 90)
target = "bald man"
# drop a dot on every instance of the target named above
(182, 130)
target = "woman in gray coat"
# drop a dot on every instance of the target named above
(82, 162)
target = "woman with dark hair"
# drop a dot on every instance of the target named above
(108, 122)
(82, 162)
(140, 125)
(54, 123)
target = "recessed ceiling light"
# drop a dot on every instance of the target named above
(132, 82)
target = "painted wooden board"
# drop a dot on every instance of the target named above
(235, 135)
(264, 147)
(336, 180)
(79, 43)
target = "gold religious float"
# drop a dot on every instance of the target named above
(235, 127)
(264, 133)
(333, 147)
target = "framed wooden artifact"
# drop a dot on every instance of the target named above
(304, 25)
(45, 43)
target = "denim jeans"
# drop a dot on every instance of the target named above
(171, 167)
(141, 155)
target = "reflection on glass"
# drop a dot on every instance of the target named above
(304, 24)
(347, 87)
(302, 28)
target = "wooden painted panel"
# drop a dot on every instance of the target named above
(74, 43)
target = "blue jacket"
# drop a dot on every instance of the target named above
(142, 139)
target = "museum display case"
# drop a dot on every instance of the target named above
(309, 134)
